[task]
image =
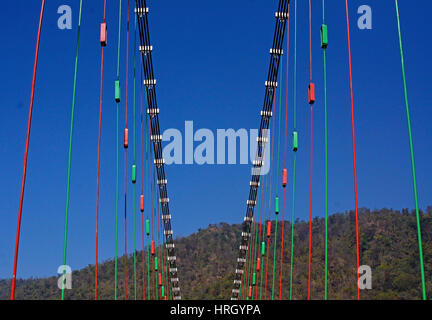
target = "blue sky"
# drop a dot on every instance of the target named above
(211, 62)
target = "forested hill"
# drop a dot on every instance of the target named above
(207, 259)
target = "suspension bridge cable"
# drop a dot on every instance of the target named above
(134, 158)
(257, 234)
(295, 148)
(269, 223)
(284, 173)
(246, 287)
(117, 98)
(258, 260)
(257, 247)
(152, 249)
(70, 150)
(266, 114)
(324, 42)
(26, 152)
(103, 40)
(153, 111)
(126, 145)
(149, 203)
(411, 154)
(156, 259)
(354, 148)
(142, 207)
(262, 240)
(158, 254)
(311, 102)
(277, 178)
(250, 285)
(149, 209)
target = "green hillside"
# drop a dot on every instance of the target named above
(206, 261)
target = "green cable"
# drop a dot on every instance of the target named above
(70, 151)
(292, 225)
(263, 240)
(326, 167)
(155, 197)
(162, 258)
(249, 257)
(147, 146)
(295, 153)
(117, 154)
(255, 253)
(412, 155)
(277, 174)
(134, 154)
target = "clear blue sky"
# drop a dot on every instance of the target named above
(211, 59)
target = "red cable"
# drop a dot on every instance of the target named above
(271, 177)
(354, 150)
(259, 238)
(285, 162)
(126, 126)
(310, 210)
(159, 244)
(98, 164)
(252, 252)
(246, 267)
(142, 183)
(311, 158)
(26, 153)
(151, 210)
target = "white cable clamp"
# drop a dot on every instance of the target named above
(271, 84)
(254, 184)
(258, 163)
(164, 200)
(251, 202)
(145, 49)
(153, 111)
(150, 82)
(141, 11)
(248, 219)
(156, 138)
(262, 139)
(282, 15)
(170, 245)
(159, 161)
(267, 114)
(276, 51)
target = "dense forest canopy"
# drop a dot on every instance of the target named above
(206, 261)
